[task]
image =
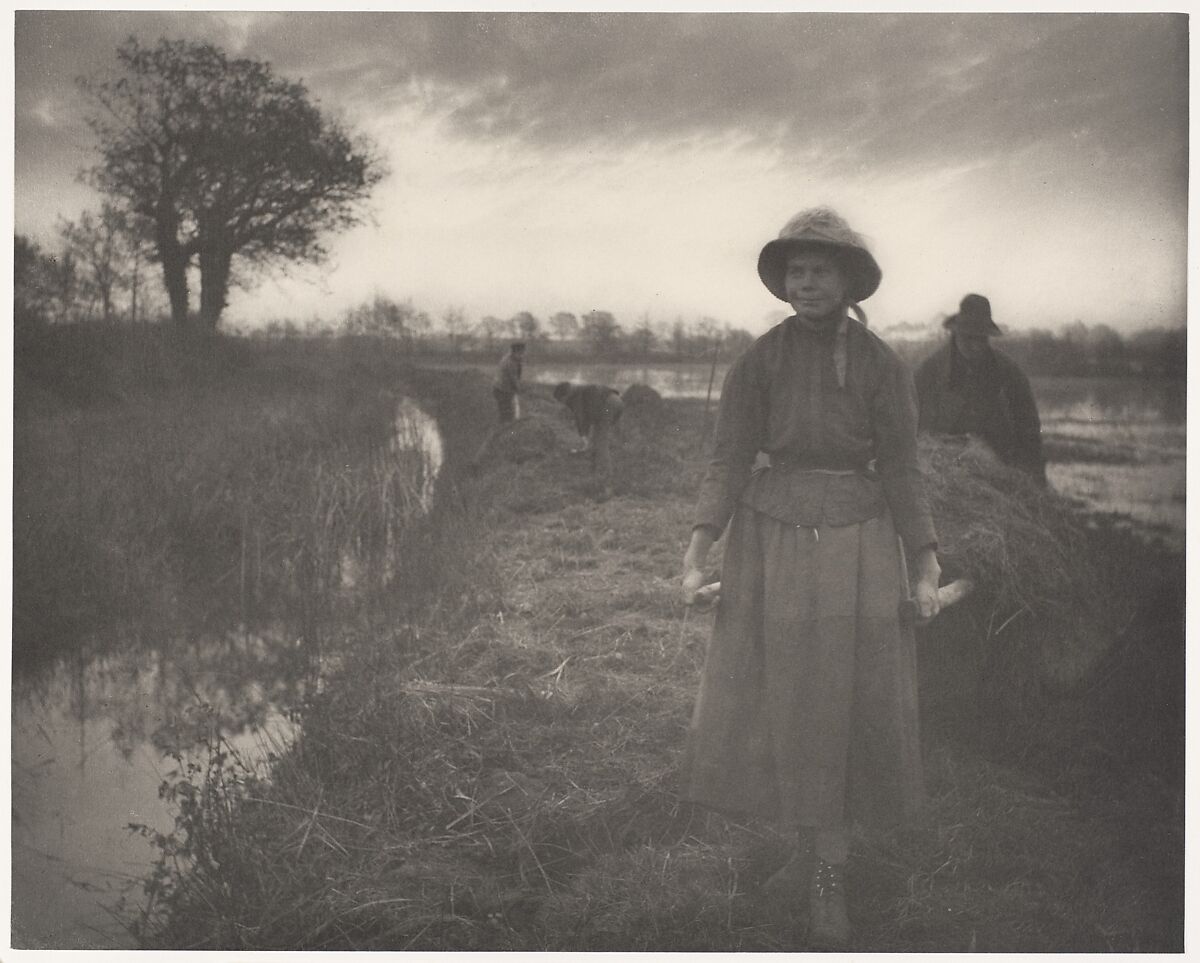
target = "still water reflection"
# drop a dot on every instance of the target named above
(684, 380)
(417, 445)
(1119, 445)
(92, 737)
(89, 744)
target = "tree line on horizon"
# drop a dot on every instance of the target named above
(100, 276)
(1073, 349)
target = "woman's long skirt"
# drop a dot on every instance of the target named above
(807, 709)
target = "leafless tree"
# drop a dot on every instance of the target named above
(98, 246)
(457, 327)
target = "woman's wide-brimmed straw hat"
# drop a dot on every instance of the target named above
(974, 317)
(820, 227)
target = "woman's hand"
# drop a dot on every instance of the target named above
(929, 572)
(693, 581)
(693, 564)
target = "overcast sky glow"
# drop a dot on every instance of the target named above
(637, 162)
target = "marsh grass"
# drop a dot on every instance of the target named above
(491, 760)
(240, 488)
(498, 771)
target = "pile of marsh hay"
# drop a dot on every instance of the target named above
(642, 396)
(529, 438)
(1047, 607)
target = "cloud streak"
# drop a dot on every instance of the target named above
(853, 87)
(895, 84)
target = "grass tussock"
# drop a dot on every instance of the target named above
(497, 769)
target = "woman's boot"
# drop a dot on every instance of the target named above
(829, 926)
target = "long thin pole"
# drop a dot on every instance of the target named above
(712, 376)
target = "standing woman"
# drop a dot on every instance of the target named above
(807, 708)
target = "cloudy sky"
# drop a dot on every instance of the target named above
(636, 162)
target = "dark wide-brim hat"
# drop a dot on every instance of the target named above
(824, 229)
(974, 317)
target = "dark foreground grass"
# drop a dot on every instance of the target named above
(496, 769)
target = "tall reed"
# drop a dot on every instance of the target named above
(244, 483)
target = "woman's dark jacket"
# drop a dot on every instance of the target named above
(809, 403)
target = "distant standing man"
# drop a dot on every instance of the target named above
(596, 409)
(507, 384)
(968, 387)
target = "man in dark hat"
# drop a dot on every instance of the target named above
(969, 388)
(507, 384)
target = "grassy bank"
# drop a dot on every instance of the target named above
(221, 482)
(494, 765)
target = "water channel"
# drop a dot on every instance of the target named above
(92, 741)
